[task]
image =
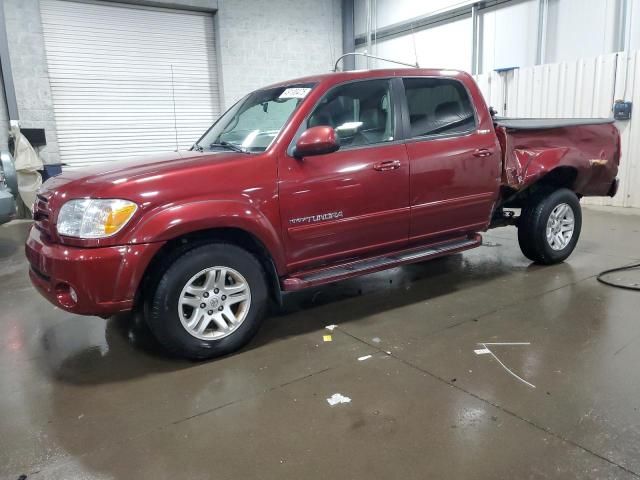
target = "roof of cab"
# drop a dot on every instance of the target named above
(339, 77)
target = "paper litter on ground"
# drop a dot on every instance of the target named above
(365, 357)
(327, 338)
(337, 398)
(330, 327)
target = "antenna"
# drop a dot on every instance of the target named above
(415, 48)
(358, 54)
(175, 118)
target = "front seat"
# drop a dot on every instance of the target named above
(373, 127)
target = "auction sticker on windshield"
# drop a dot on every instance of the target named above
(295, 93)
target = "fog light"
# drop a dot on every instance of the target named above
(67, 296)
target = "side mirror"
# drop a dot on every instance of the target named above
(317, 141)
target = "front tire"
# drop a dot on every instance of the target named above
(549, 226)
(209, 301)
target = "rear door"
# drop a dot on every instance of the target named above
(455, 164)
(355, 200)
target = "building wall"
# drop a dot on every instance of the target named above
(409, 48)
(260, 42)
(509, 35)
(580, 88)
(29, 67)
(575, 29)
(580, 28)
(266, 41)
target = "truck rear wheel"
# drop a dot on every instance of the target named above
(209, 301)
(549, 226)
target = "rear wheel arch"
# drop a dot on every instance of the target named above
(559, 177)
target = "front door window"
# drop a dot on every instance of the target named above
(360, 112)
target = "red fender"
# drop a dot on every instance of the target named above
(173, 221)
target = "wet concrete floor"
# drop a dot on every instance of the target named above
(86, 398)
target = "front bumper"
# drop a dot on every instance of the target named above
(104, 280)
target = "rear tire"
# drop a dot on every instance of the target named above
(549, 226)
(208, 302)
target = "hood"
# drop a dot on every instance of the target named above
(101, 179)
(169, 183)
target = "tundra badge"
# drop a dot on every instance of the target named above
(317, 218)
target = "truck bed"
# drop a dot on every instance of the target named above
(586, 151)
(546, 123)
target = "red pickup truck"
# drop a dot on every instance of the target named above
(307, 182)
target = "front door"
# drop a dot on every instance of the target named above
(455, 163)
(353, 201)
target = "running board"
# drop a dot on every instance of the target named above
(312, 278)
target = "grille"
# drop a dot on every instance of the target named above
(41, 215)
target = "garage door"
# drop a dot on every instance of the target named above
(128, 81)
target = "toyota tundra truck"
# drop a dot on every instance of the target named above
(307, 182)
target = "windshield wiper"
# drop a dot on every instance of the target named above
(197, 147)
(229, 146)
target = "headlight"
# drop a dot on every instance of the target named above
(94, 218)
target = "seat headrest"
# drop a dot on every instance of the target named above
(372, 119)
(321, 118)
(447, 110)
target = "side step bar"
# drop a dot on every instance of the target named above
(312, 278)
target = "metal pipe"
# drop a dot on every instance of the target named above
(368, 32)
(541, 48)
(474, 39)
(358, 54)
(348, 35)
(621, 27)
(5, 66)
(455, 12)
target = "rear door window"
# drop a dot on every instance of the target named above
(438, 106)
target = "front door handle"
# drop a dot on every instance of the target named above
(387, 165)
(483, 152)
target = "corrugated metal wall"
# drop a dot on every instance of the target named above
(128, 80)
(584, 88)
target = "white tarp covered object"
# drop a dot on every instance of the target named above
(27, 163)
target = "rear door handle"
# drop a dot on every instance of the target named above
(387, 165)
(483, 152)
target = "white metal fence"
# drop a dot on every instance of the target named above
(584, 88)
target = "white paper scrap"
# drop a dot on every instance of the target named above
(330, 327)
(366, 357)
(337, 398)
(481, 351)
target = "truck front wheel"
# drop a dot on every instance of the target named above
(549, 226)
(208, 302)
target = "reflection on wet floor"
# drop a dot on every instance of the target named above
(88, 398)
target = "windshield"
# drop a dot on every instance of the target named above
(253, 123)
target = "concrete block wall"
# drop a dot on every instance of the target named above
(29, 67)
(260, 42)
(266, 41)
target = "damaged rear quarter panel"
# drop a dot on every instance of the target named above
(592, 150)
